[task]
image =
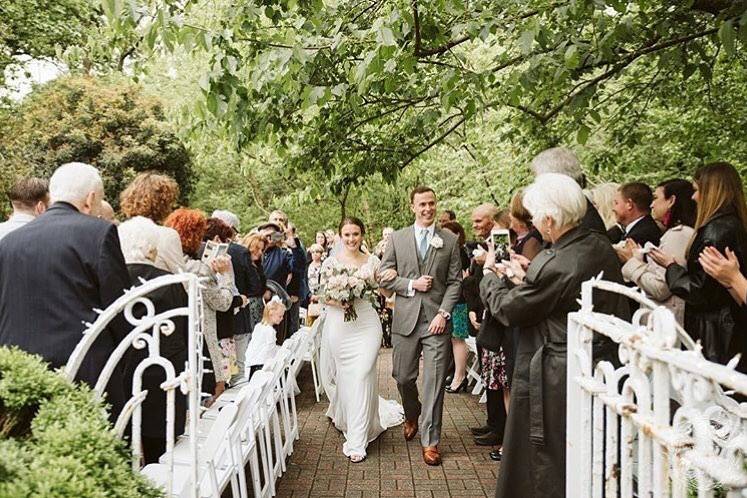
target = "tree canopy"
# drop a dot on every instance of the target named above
(352, 88)
(110, 124)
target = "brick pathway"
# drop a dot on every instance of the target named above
(393, 467)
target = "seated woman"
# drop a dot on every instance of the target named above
(534, 445)
(262, 346)
(139, 238)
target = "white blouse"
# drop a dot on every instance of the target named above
(262, 347)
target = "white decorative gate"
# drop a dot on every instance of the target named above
(660, 425)
(145, 334)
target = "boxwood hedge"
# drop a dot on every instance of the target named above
(55, 438)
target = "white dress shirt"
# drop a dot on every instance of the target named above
(630, 225)
(17, 220)
(262, 347)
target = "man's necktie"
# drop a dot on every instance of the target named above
(423, 249)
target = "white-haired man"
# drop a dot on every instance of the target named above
(56, 270)
(565, 162)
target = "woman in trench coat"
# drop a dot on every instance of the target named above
(534, 446)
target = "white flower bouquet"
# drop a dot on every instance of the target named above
(345, 284)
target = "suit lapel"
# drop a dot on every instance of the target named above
(410, 234)
(430, 256)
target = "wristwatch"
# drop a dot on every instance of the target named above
(446, 316)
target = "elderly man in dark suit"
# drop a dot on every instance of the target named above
(56, 270)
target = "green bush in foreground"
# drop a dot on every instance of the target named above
(55, 438)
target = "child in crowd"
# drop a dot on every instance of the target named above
(262, 345)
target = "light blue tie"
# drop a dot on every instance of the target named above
(423, 249)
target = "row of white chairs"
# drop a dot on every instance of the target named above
(253, 424)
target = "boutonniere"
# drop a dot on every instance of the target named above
(437, 242)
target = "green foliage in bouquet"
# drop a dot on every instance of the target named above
(55, 438)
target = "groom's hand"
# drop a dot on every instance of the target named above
(438, 325)
(423, 284)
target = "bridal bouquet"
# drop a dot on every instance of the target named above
(345, 284)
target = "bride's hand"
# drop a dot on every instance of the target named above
(387, 275)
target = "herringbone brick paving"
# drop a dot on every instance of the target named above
(394, 467)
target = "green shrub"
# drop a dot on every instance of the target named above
(55, 438)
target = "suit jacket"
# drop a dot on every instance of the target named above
(444, 264)
(243, 272)
(646, 230)
(53, 273)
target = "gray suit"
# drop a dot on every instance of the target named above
(413, 315)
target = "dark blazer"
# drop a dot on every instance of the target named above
(53, 272)
(243, 272)
(646, 230)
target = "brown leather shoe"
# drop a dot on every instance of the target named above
(410, 429)
(431, 456)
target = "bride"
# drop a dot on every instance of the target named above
(349, 353)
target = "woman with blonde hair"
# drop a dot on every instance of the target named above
(263, 345)
(711, 315)
(602, 196)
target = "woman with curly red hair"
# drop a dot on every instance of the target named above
(153, 196)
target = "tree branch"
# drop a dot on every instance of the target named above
(435, 142)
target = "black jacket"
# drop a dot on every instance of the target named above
(173, 347)
(646, 230)
(711, 314)
(534, 448)
(53, 272)
(243, 272)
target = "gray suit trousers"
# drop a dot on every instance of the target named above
(436, 351)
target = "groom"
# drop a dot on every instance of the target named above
(428, 284)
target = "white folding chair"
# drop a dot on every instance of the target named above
(276, 403)
(216, 463)
(312, 355)
(473, 370)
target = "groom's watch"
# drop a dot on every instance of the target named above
(446, 316)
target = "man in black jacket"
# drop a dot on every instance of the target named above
(56, 270)
(632, 207)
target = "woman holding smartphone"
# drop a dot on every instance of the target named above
(711, 314)
(674, 208)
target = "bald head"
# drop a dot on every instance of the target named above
(106, 212)
(483, 219)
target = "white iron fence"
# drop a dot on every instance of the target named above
(657, 425)
(146, 334)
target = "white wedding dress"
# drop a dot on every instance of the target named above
(348, 357)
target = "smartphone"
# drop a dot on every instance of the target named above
(213, 250)
(501, 242)
(648, 247)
